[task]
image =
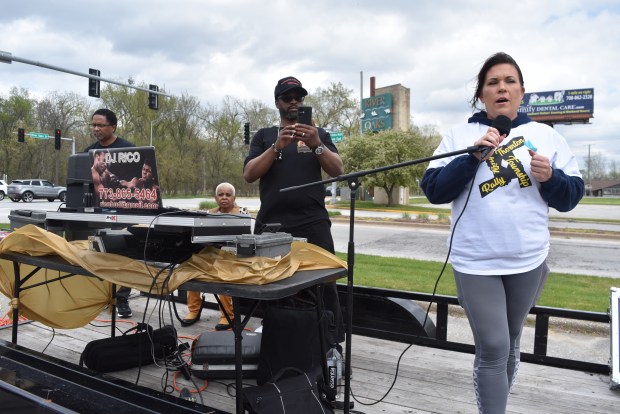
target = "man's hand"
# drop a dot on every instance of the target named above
(285, 137)
(308, 134)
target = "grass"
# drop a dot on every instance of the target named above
(588, 293)
(415, 207)
(607, 201)
(207, 205)
(369, 205)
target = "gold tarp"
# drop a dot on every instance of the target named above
(75, 301)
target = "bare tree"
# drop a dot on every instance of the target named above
(613, 170)
(335, 109)
(595, 167)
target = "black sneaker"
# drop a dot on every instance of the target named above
(122, 307)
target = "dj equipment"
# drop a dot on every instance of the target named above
(79, 182)
(159, 247)
(120, 202)
(213, 354)
(198, 227)
(276, 245)
(113, 178)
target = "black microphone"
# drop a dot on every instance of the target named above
(503, 124)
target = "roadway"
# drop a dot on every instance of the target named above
(570, 253)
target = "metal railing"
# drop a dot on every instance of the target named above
(443, 303)
(391, 321)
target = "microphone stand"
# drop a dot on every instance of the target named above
(353, 181)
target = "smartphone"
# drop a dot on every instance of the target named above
(304, 115)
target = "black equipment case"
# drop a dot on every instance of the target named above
(213, 354)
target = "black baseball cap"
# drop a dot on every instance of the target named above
(287, 84)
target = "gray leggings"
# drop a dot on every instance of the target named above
(496, 307)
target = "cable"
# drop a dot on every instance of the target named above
(194, 391)
(430, 303)
(8, 320)
(233, 386)
(152, 345)
(110, 320)
(175, 361)
(50, 342)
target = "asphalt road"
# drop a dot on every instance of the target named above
(575, 255)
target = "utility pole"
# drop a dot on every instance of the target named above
(589, 172)
(361, 98)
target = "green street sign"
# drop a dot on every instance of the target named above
(38, 135)
(337, 136)
(377, 113)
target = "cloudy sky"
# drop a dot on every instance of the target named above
(214, 48)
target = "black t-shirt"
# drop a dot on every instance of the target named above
(299, 165)
(118, 143)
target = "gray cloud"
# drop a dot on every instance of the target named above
(212, 49)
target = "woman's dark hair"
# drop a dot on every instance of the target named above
(496, 59)
(109, 115)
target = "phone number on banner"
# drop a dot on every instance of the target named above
(128, 194)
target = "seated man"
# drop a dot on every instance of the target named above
(225, 199)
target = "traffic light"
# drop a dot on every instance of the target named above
(20, 134)
(153, 97)
(93, 84)
(57, 136)
(246, 133)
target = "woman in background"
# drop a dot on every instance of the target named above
(225, 199)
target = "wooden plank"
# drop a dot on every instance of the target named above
(429, 380)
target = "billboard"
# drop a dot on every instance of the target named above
(570, 105)
(377, 113)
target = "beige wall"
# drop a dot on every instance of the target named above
(401, 119)
(400, 195)
(401, 101)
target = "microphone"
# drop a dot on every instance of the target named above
(503, 124)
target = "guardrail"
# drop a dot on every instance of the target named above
(395, 328)
(394, 315)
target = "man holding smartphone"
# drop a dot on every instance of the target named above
(292, 154)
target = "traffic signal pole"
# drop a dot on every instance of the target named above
(39, 135)
(72, 143)
(7, 57)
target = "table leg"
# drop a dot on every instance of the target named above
(238, 325)
(16, 290)
(319, 317)
(237, 329)
(113, 333)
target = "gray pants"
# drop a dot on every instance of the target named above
(496, 307)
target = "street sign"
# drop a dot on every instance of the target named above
(377, 113)
(337, 136)
(38, 135)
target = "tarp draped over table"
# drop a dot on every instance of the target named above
(75, 301)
